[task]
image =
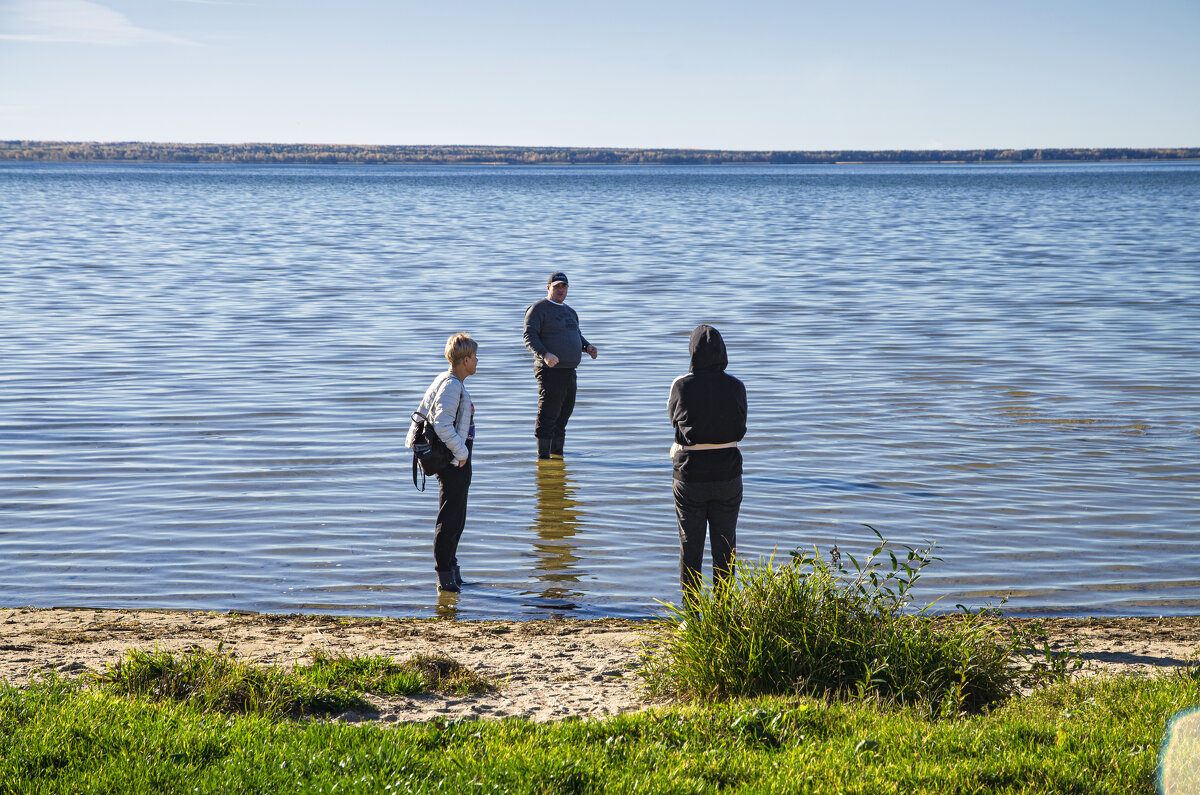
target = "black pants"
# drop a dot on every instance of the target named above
(453, 483)
(556, 400)
(711, 504)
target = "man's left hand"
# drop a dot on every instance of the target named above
(591, 351)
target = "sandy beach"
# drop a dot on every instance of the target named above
(547, 670)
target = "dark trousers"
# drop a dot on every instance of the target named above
(453, 483)
(556, 400)
(711, 504)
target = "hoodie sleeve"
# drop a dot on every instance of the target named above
(676, 411)
(743, 410)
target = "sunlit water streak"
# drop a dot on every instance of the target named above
(206, 372)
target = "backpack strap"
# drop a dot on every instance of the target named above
(417, 469)
(418, 417)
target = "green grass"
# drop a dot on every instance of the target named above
(817, 626)
(382, 675)
(217, 681)
(863, 694)
(1091, 736)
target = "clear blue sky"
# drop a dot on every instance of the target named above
(756, 74)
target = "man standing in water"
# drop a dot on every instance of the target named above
(552, 334)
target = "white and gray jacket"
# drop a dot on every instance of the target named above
(448, 406)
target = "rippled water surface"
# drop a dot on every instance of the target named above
(206, 373)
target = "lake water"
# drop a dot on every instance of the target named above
(206, 374)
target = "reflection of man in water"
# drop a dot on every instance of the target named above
(555, 522)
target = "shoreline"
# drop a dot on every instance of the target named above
(317, 153)
(547, 669)
(573, 164)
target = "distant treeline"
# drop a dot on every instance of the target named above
(526, 155)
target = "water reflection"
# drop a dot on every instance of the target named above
(447, 605)
(555, 523)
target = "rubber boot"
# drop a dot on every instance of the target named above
(446, 581)
(556, 444)
(458, 580)
(544, 447)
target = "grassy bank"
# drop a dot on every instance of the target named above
(812, 675)
(1088, 736)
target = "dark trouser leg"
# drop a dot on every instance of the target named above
(568, 405)
(452, 514)
(556, 401)
(723, 511)
(692, 517)
(713, 506)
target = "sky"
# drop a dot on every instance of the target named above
(749, 75)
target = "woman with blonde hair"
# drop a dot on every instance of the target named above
(448, 406)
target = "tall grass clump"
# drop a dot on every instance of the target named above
(217, 681)
(823, 627)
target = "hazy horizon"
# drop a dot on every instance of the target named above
(581, 147)
(774, 76)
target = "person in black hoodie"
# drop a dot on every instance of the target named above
(708, 409)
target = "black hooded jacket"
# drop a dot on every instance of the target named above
(708, 406)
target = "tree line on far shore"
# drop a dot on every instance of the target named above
(136, 151)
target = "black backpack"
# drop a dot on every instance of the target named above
(430, 453)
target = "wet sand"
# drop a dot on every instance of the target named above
(547, 670)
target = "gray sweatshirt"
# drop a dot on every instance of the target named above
(554, 328)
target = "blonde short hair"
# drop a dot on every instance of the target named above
(460, 346)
